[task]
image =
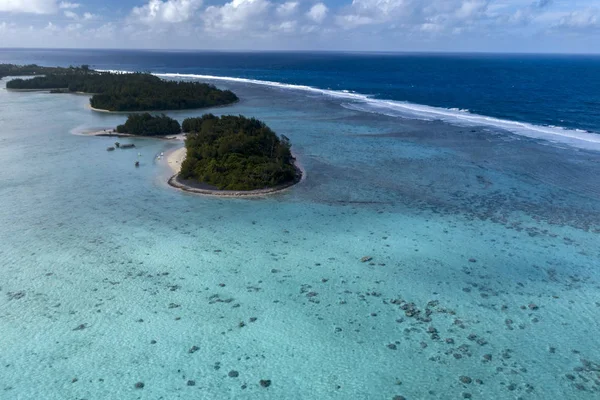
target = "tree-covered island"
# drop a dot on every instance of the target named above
(149, 125)
(128, 92)
(33, 69)
(235, 153)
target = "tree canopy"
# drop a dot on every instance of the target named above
(31, 70)
(149, 125)
(124, 92)
(235, 153)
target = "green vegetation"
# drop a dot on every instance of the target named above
(123, 92)
(236, 153)
(32, 69)
(150, 125)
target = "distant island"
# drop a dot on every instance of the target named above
(234, 153)
(32, 70)
(122, 92)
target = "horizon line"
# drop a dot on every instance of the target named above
(381, 52)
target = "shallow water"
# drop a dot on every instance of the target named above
(99, 259)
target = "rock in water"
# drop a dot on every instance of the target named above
(265, 383)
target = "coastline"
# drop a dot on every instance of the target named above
(175, 157)
(157, 111)
(111, 132)
(48, 91)
(31, 90)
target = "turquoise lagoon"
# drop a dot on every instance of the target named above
(484, 278)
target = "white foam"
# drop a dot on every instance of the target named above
(363, 102)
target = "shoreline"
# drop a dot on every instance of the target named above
(175, 157)
(32, 90)
(49, 91)
(156, 111)
(113, 133)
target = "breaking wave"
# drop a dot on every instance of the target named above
(366, 103)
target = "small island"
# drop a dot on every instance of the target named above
(119, 92)
(147, 124)
(236, 156)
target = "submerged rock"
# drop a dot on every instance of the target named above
(139, 385)
(15, 295)
(265, 383)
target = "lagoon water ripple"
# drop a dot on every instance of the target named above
(484, 276)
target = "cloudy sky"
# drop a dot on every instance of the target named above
(382, 25)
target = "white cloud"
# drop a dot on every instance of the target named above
(169, 11)
(284, 27)
(431, 27)
(106, 31)
(86, 16)
(523, 15)
(318, 12)
(471, 8)
(237, 15)
(504, 25)
(51, 27)
(67, 5)
(421, 15)
(287, 9)
(587, 19)
(28, 6)
(350, 21)
(73, 27)
(71, 14)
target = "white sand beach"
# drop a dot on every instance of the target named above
(175, 158)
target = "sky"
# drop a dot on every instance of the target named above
(555, 26)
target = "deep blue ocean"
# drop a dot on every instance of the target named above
(443, 244)
(551, 90)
